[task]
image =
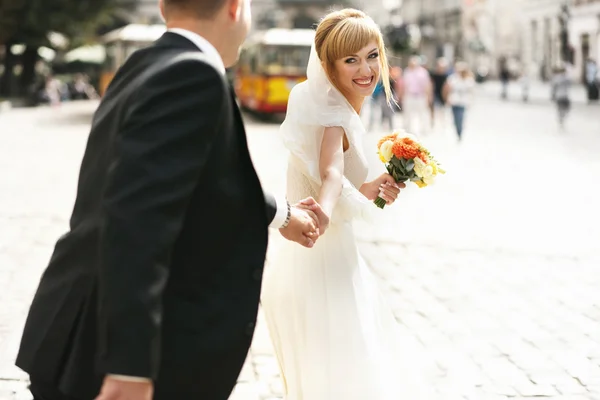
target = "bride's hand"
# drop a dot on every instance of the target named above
(312, 205)
(384, 187)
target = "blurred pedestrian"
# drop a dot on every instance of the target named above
(52, 92)
(591, 80)
(504, 78)
(439, 76)
(459, 92)
(415, 97)
(524, 81)
(382, 112)
(81, 89)
(375, 116)
(397, 86)
(561, 84)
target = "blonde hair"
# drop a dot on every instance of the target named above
(344, 32)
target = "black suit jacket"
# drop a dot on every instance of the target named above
(160, 273)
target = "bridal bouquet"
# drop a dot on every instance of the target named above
(406, 159)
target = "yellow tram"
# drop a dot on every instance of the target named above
(271, 63)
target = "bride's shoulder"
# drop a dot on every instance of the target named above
(298, 97)
(299, 89)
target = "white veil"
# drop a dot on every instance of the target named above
(312, 106)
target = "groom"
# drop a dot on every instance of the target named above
(153, 293)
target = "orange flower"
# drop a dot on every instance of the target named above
(406, 148)
(391, 137)
(423, 156)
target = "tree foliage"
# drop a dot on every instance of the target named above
(30, 21)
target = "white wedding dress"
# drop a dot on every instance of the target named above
(334, 335)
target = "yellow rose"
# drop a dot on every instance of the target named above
(429, 180)
(420, 183)
(434, 167)
(385, 151)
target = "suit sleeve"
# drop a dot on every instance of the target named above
(159, 155)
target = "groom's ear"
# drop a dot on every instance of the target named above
(234, 9)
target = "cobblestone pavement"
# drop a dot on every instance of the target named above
(492, 273)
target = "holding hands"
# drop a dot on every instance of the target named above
(307, 222)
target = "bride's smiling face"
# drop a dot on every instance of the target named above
(358, 74)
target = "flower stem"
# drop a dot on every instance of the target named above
(379, 202)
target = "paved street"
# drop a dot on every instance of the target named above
(493, 272)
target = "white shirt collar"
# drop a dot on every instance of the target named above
(204, 45)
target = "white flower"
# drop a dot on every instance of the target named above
(386, 150)
(403, 133)
(424, 171)
(428, 172)
(420, 167)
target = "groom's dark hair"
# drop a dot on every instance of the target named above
(199, 8)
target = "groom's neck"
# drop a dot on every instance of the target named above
(211, 30)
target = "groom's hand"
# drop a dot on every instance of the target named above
(303, 227)
(115, 389)
(312, 205)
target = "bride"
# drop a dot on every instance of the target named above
(334, 335)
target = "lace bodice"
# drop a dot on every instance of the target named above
(299, 186)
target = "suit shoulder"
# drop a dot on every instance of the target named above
(193, 61)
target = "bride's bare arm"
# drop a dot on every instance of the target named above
(331, 168)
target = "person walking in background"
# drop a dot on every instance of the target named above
(376, 113)
(459, 92)
(591, 80)
(525, 82)
(504, 78)
(381, 110)
(52, 91)
(560, 94)
(528, 74)
(388, 109)
(439, 77)
(81, 89)
(396, 85)
(415, 97)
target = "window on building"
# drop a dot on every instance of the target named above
(534, 41)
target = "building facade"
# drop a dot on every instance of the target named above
(584, 29)
(438, 26)
(542, 36)
(481, 32)
(547, 47)
(303, 14)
